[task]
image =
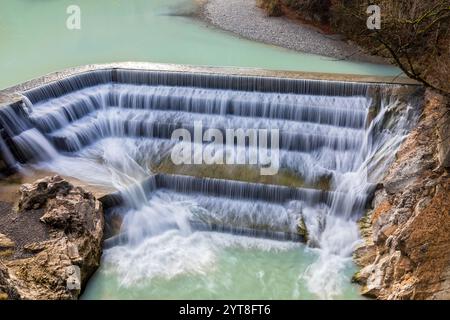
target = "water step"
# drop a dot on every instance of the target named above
(112, 114)
(243, 83)
(88, 130)
(202, 80)
(229, 189)
(307, 167)
(57, 113)
(14, 120)
(123, 238)
(338, 111)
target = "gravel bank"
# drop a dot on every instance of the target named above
(244, 18)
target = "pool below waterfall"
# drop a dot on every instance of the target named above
(210, 266)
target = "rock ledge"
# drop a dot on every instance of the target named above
(58, 265)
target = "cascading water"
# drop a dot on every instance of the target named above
(113, 128)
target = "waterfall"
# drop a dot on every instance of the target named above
(9, 162)
(113, 128)
(337, 235)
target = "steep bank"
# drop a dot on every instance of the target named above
(412, 34)
(50, 242)
(244, 18)
(406, 250)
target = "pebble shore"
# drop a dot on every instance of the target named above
(244, 18)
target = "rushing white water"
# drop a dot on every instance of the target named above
(339, 234)
(115, 134)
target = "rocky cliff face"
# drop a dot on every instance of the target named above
(406, 250)
(51, 243)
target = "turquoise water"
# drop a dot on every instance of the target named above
(34, 40)
(209, 266)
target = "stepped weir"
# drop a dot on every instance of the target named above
(114, 127)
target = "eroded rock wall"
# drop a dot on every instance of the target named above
(406, 250)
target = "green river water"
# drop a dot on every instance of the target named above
(214, 266)
(35, 41)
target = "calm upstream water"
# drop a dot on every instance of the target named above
(174, 263)
(34, 40)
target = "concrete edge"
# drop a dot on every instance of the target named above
(13, 94)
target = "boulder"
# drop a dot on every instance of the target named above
(59, 266)
(35, 195)
(6, 246)
(301, 229)
(5, 242)
(7, 288)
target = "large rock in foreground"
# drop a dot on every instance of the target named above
(69, 244)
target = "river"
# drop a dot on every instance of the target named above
(35, 40)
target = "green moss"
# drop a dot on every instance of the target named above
(356, 278)
(302, 230)
(246, 173)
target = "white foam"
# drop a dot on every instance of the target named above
(175, 253)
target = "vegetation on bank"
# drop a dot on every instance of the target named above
(414, 34)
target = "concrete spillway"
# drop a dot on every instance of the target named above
(114, 126)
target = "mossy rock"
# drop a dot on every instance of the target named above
(301, 229)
